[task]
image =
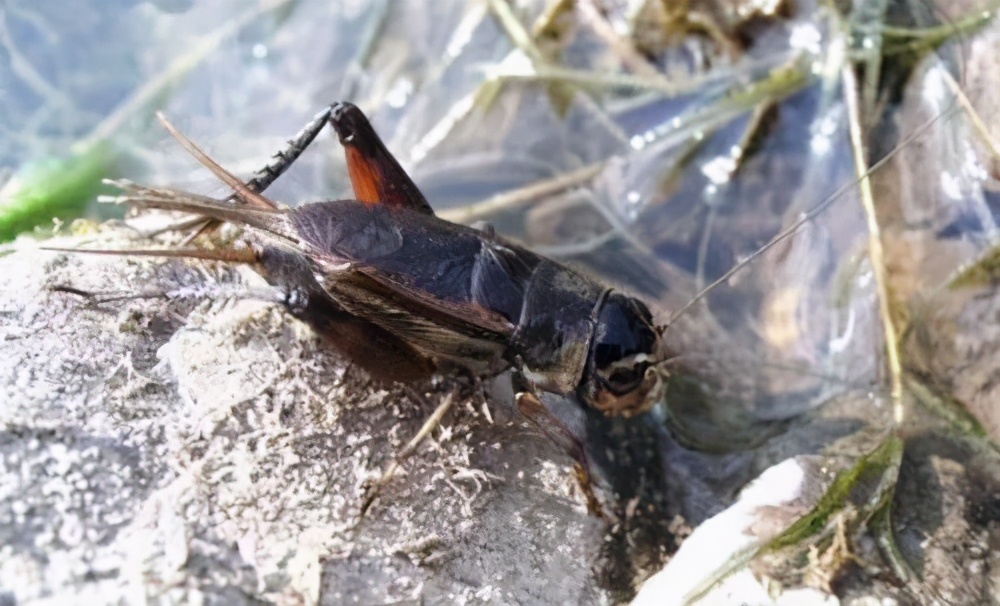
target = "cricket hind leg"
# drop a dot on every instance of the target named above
(263, 178)
(284, 158)
(376, 176)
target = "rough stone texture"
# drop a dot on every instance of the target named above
(178, 450)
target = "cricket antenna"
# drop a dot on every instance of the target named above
(806, 217)
(822, 206)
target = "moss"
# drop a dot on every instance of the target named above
(52, 188)
(867, 485)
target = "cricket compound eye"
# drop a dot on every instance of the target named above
(619, 377)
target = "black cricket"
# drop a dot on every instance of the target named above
(402, 292)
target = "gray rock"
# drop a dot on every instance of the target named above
(170, 449)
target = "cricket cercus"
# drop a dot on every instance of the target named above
(402, 292)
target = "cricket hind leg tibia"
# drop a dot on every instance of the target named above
(281, 161)
(284, 158)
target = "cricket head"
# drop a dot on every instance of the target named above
(621, 376)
